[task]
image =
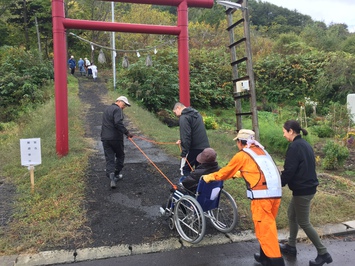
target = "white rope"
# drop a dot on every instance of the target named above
(170, 42)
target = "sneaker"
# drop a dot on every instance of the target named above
(288, 250)
(162, 211)
(119, 177)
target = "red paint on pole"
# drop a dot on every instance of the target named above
(120, 27)
(60, 23)
(190, 3)
(183, 51)
(60, 78)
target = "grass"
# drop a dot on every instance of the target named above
(52, 214)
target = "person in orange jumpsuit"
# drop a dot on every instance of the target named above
(263, 181)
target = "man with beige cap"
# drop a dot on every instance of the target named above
(112, 132)
(255, 165)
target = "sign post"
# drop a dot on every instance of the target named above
(31, 156)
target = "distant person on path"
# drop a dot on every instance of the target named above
(263, 181)
(93, 68)
(87, 64)
(193, 136)
(81, 66)
(72, 65)
(112, 132)
(300, 175)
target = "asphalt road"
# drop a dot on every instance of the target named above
(342, 249)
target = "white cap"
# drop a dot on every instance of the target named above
(123, 99)
(245, 134)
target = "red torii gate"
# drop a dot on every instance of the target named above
(60, 24)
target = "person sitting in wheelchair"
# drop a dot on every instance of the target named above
(188, 184)
(208, 164)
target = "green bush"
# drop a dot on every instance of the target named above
(23, 82)
(323, 131)
(210, 122)
(157, 87)
(335, 155)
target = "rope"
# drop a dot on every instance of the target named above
(162, 143)
(155, 142)
(169, 42)
(171, 183)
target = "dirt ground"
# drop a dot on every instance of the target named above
(128, 214)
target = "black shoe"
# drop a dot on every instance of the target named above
(261, 257)
(277, 261)
(321, 259)
(288, 250)
(262, 260)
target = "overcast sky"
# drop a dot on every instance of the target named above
(328, 11)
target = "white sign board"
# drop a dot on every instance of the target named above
(351, 105)
(242, 85)
(30, 152)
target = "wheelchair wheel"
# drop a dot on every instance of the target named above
(225, 217)
(189, 219)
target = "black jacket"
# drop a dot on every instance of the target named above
(191, 181)
(112, 123)
(192, 131)
(300, 168)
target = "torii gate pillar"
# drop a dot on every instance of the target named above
(60, 23)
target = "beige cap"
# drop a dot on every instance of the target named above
(245, 134)
(123, 99)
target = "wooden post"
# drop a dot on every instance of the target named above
(32, 176)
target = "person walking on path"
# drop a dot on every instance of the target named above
(193, 136)
(72, 64)
(93, 68)
(81, 64)
(87, 64)
(112, 132)
(300, 175)
(255, 165)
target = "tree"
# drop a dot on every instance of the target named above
(22, 16)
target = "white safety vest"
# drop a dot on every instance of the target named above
(272, 176)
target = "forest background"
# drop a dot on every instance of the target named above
(304, 70)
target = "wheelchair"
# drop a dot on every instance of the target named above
(187, 212)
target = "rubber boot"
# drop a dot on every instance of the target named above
(113, 182)
(277, 261)
(261, 258)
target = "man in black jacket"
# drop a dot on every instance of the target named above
(193, 135)
(112, 138)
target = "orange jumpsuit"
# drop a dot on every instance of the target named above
(264, 211)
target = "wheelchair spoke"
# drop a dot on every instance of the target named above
(189, 219)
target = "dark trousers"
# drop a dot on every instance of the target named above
(191, 159)
(72, 70)
(114, 155)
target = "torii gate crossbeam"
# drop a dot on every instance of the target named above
(60, 24)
